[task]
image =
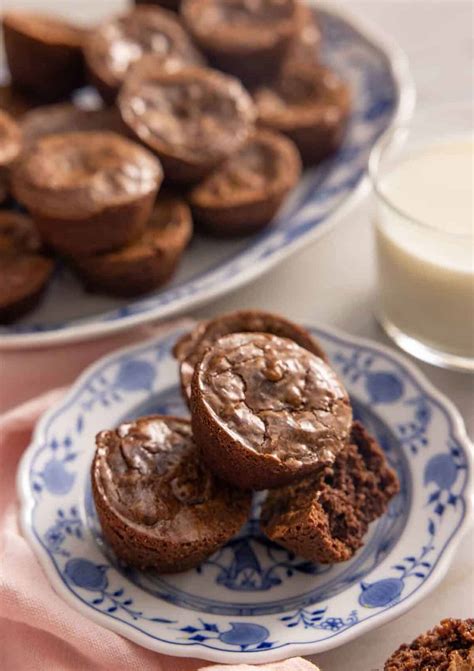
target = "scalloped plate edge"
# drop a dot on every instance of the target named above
(291, 649)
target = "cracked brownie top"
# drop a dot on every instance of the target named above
(275, 398)
(150, 472)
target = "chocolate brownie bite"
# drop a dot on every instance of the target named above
(66, 118)
(324, 518)
(308, 103)
(243, 194)
(10, 147)
(158, 504)
(247, 39)
(447, 647)
(148, 262)
(192, 118)
(24, 271)
(190, 349)
(119, 42)
(44, 54)
(88, 192)
(265, 411)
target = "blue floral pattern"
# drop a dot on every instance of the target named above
(243, 635)
(239, 566)
(251, 596)
(92, 577)
(388, 590)
(66, 523)
(317, 619)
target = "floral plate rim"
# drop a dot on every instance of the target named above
(190, 295)
(202, 650)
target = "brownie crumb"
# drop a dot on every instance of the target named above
(447, 647)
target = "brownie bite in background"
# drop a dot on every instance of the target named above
(44, 54)
(87, 191)
(308, 103)
(247, 39)
(116, 44)
(192, 118)
(148, 262)
(243, 194)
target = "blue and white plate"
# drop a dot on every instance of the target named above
(252, 601)
(382, 93)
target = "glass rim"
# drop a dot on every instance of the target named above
(387, 140)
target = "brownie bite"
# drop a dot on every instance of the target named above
(324, 518)
(308, 103)
(192, 118)
(247, 39)
(447, 647)
(148, 262)
(10, 147)
(88, 192)
(44, 54)
(190, 348)
(243, 194)
(119, 42)
(67, 118)
(265, 411)
(158, 505)
(24, 270)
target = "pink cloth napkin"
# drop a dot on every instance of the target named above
(37, 629)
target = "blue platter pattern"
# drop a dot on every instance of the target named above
(251, 597)
(376, 99)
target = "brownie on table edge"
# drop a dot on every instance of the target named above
(447, 647)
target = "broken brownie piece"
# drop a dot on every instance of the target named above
(325, 517)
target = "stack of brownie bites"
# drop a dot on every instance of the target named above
(222, 101)
(267, 412)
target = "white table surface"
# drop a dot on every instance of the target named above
(333, 281)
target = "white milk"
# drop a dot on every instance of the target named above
(426, 270)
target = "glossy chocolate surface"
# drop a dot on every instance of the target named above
(80, 173)
(275, 397)
(193, 114)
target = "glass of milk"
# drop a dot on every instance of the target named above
(423, 180)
